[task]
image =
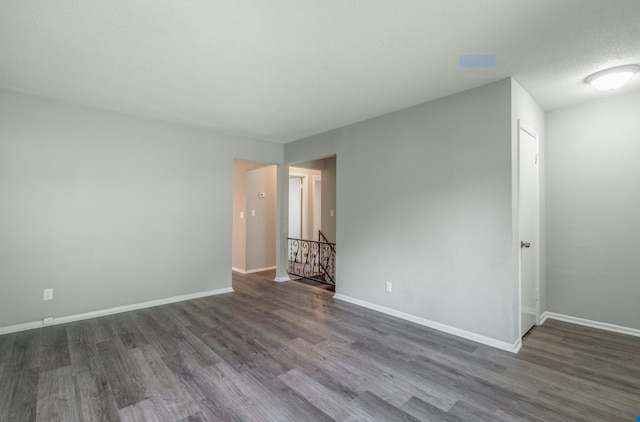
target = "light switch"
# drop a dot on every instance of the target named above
(241, 214)
(253, 213)
(331, 213)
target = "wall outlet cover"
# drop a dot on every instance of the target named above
(47, 294)
(47, 320)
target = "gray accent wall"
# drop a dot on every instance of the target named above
(424, 200)
(109, 209)
(593, 211)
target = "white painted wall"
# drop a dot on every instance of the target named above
(110, 210)
(593, 211)
(435, 217)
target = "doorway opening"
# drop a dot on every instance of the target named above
(312, 228)
(254, 216)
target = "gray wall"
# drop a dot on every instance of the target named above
(424, 199)
(261, 228)
(110, 210)
(593, 209)
(329, 199)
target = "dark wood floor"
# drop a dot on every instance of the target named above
(286, 351)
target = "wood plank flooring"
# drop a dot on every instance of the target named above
(289, 352)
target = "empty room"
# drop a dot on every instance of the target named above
(414, 210)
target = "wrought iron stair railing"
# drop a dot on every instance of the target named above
(315, 260)
(323, 238)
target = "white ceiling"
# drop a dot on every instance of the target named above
(280, 70)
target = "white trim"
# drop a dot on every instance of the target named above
(527, 128)
(21, 327)
(513, 348)
(255, 270)
(281, 279)
(516, 346)
(590, 323)
(110, 311)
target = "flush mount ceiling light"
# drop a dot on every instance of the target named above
(613, 78)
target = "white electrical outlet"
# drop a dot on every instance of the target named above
(253, 213)
(47, 320)
(389, 287)
(47, 294)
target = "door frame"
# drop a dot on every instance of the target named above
(536, 237)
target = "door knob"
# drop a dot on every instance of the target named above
(525, 244)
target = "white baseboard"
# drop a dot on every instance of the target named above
(590, 323)
(110, 311)
(281, 279)
(513, 348)
(255, 270)
(516, 346)
(21, 327)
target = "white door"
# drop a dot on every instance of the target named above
(295, 208)
(528, 224)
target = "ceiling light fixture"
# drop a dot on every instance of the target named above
(613, 78)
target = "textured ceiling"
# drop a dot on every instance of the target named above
(280, 70)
